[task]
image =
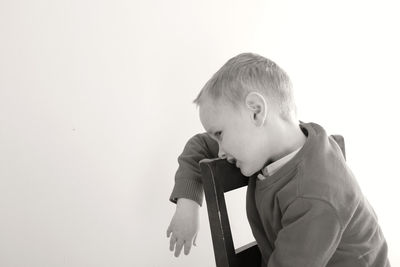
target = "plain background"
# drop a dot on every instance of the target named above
(95, 107)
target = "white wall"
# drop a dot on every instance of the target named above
(95, 106)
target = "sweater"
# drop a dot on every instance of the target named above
(311, 212)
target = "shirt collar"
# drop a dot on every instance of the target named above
(275, 166)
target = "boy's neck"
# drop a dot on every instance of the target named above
(288, 138)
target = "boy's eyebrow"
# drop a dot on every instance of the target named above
(211, 131)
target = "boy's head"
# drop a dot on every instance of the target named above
(243, 105)
(246, 73)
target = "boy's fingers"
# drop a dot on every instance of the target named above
(187, 246)
(169, 231)
(172, 243)
(178, 248)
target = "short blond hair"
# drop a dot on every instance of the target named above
(249, 72)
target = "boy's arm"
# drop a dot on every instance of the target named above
(310, 235)
(188, 176)
(188, 192)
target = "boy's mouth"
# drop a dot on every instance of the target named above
(234, 161)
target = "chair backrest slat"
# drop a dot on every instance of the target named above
(218, 177)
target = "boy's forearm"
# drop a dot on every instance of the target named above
(187, 203)
(188, 176)
(188, 189)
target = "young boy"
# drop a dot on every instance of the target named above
(305, 207)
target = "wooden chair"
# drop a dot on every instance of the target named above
(219, 176)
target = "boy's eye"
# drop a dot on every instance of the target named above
(218, 134)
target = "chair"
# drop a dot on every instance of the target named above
(218, 177)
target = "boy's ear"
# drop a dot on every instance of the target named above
(256, 103)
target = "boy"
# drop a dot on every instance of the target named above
(305, 208)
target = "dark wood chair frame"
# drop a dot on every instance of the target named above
(219, 177)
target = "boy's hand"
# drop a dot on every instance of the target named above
(184, 226)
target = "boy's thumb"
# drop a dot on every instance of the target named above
(194, 241)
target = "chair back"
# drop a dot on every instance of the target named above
(219, 177)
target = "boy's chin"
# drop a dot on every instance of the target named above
(249, 170)
(246, 172)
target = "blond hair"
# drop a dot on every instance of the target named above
(247, 73)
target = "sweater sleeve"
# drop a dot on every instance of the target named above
(188, 176)
(310, 234)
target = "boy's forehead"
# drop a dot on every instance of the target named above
(208, 115)
(214, 115)
(211, 116)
